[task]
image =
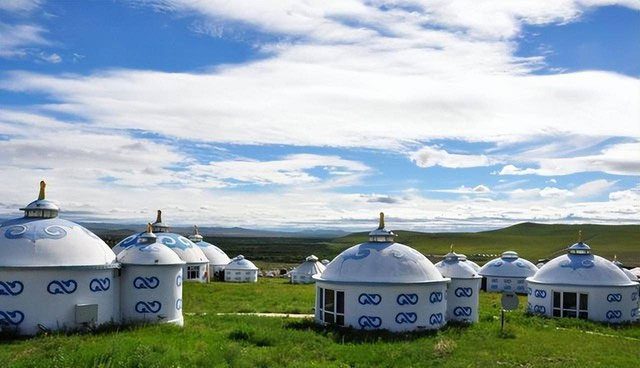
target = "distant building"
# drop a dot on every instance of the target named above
(464, 289)
(473, 265)
(582, 285)
(218, 259)
(303, 274)
(381, 284)
(240, 269)
(507, 273)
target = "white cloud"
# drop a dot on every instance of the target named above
(19, 6)
(478, 189)
(16, 38)
(432, 156)
(593, 188)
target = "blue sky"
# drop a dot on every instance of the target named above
(448, 116)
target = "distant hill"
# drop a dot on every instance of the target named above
(531, 240)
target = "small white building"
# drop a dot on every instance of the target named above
(218, 259)
(507, 273)
(196, 266)
(463, 258)
(627, 272)
(635, 271)
(582, 285)
(381, 284)
(464, 289)
(150, 282)
(54, 274)
(303, 274)
(241, 270)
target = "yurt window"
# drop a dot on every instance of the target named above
(193, 272)
(568, 304)
(332, 306)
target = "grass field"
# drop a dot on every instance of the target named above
(531, 241)
(209, 339)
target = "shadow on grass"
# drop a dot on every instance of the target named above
(356, 336)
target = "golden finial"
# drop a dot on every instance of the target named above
(381, 224)
(579, 236)
(149, 228)
(615, 257)
(159, 217)
(451, 248)
(195, 230)
(43, 185)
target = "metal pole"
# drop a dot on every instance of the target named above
(502, 322)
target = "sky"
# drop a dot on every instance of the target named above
(456, 115)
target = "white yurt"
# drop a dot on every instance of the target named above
(507, 273)
(303, 274)
(150, 282)
(582, 285)
(635, 271)
(54, 274)
(381, 284)
(196, 263)
(464, 259)
(627, 272)
(464, 289)
(217, 258)
(325, 262)
(241, 270)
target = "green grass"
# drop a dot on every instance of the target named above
(247, 341)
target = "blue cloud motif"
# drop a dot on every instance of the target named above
(179, 280)
(174, 241)
(146, 282)
(435, 297)
(577, 262)
(436, 319)
(128, 241)
(634, 296)
(97, 285)
(614, 314)
(11, 317)
(540, 293)
(364, 250)
(62, 287)
(462, 311)
(11, 287)
(369, 321)
(406, 317)
(35, 230)
(148, 307)
(613, 298)
(404, 299)
(496, 264)
(372, 299)
(463, 292)
(178, 304)
(529, 291)
(540, 309)
(634, 313)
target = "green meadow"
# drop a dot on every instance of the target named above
(212, 340)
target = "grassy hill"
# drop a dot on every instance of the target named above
(532, 241)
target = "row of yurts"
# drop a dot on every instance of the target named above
(49, 261)
(45, 260)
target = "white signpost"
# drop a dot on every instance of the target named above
(509, 301)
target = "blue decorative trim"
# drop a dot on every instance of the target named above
(372, 299)
(436, 319)
(576, 263)
(62, 287)
(148, 307)
(634, 296)
(404, 299)
(634, 313)
(529, 291)
(179, 280)
(462, 311)
(11, 317)
(406, 317)
(435, 297)
(614, 298)
(12, 288)
(364, 250)
(614, 314)
(146, 282)
(178, 304)
(369, 321)
(541, 309)
(97, 285)
(463, 292)
(540, 293)
(35, 230)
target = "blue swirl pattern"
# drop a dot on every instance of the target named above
(435, 297)
(369, 321)
(35, 230)
(613, 298)
(369, 299)
(406, 317)
(62, 287)
(146, 282)
(97, 285)
(12, 288)
(463, 292)
(148, 307)
(436, 319)
(541, 309)
(178, 304)
(404, 299)
(179, 280)
(614, 314)
(13, 318)
(462, 311)
(540, 293)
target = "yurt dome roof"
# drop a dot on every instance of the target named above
(629, 274)
(44, 240)
(381, 261)
(311, 266)
(454, 267)
(240, 263)
(471, 264)
(216, 256)
(581, 268)
(149, 252)
(508, 265)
